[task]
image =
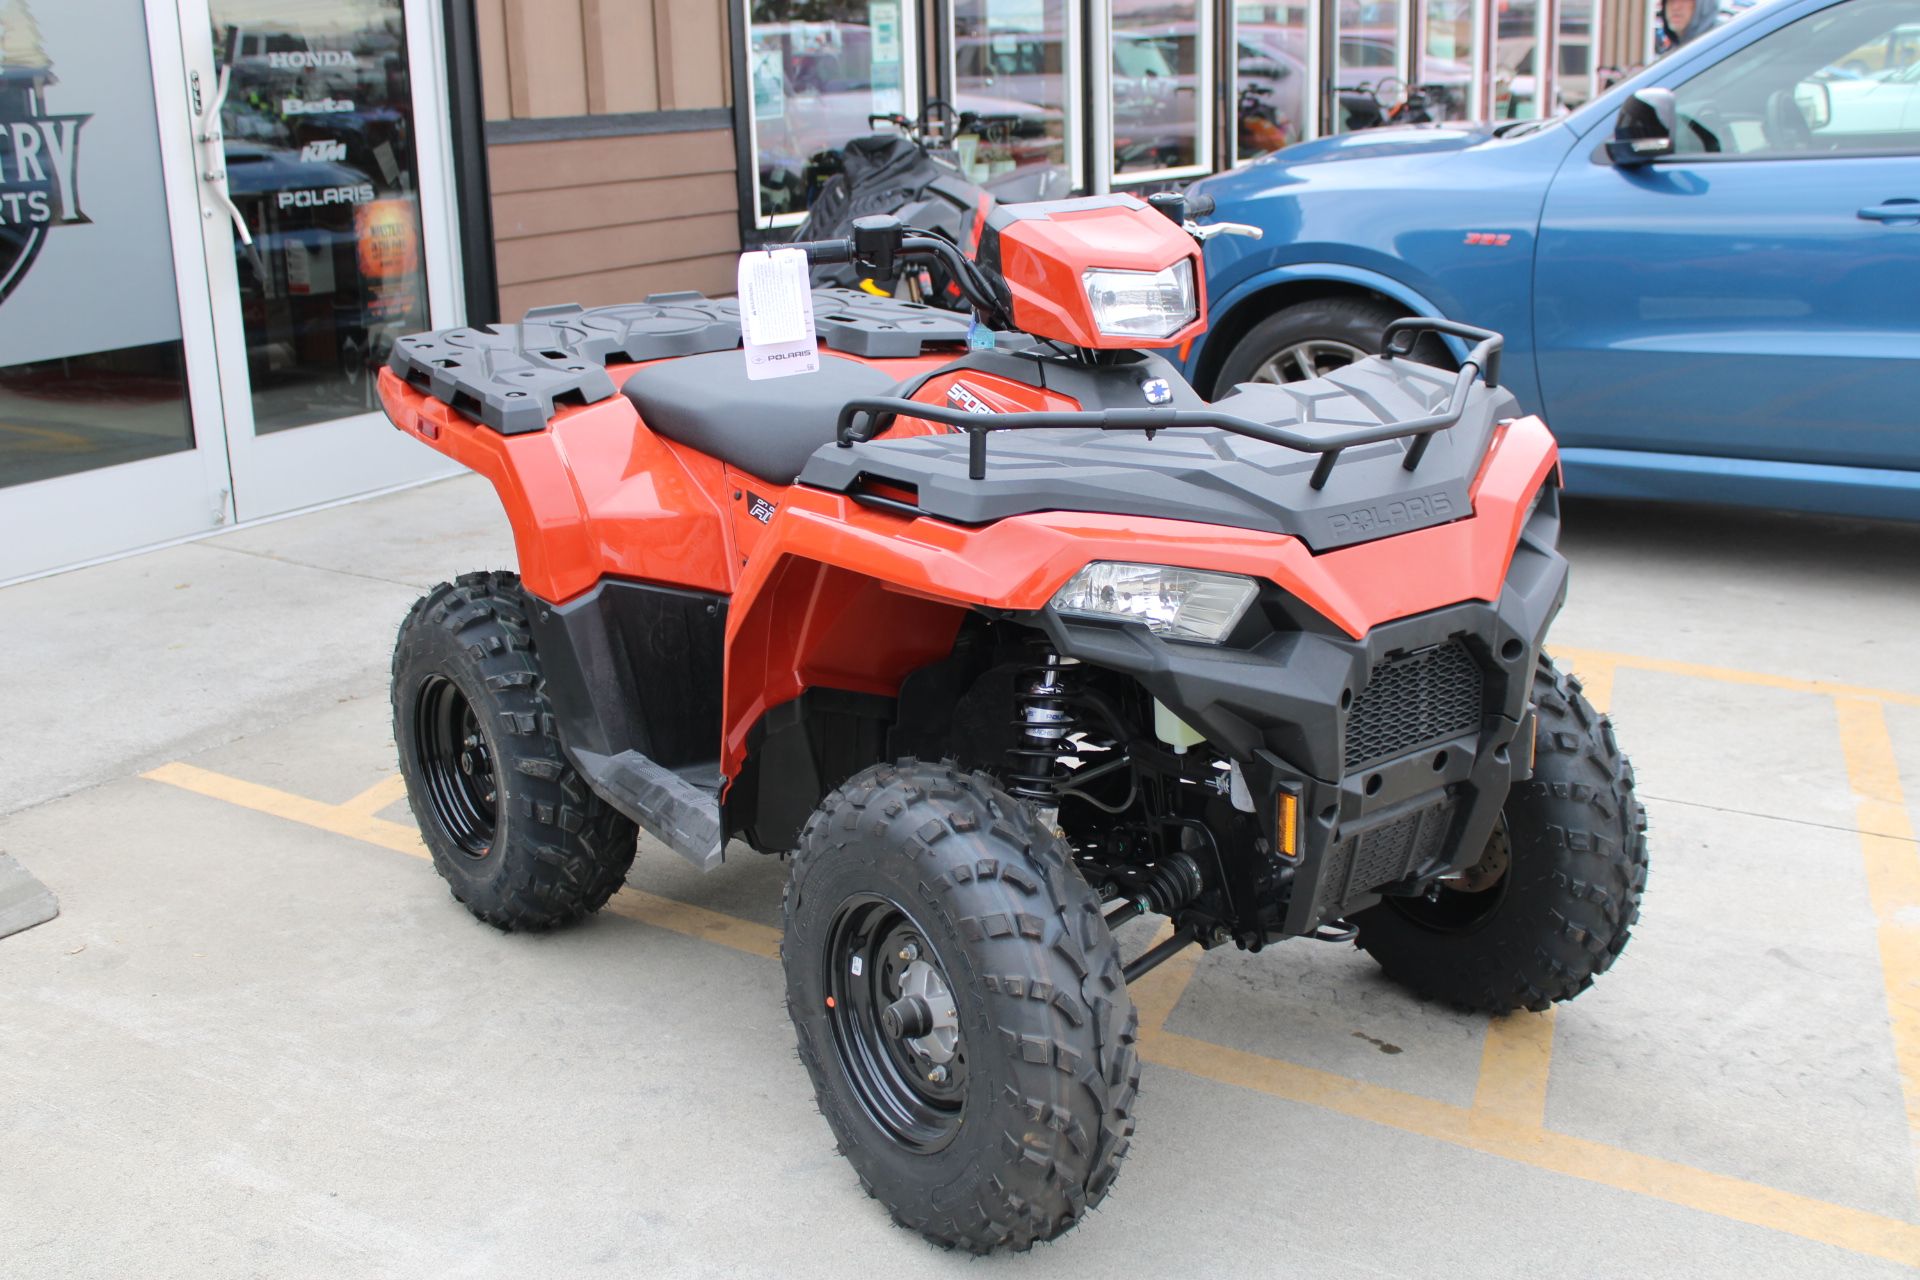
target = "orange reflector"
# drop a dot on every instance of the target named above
(1533, 742)
(1288, 826)
(829, 1002)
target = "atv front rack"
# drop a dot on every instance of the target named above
(1483, 362)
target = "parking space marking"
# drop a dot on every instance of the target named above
(1582, 659)
(1514, 1066)
(1501, 1123)
(378, 796)
(1893, 883)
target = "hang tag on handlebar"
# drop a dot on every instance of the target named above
(979, 337)
(776, 314)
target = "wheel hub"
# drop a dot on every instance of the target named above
(895, 1023)
(1310, 358)
(456, 766)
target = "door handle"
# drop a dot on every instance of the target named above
(213, 157)
(1900, 210)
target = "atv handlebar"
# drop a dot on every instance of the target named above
(1482, 362)
(879, 239)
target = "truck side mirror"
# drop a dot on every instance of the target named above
(1643, 132)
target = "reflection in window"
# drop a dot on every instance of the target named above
(1576, 52)
(1801, 91)
(1367, 73)
(1446, 59)
(1012, 94)
(1156, 51)
(819, 69)
(1515, 61)
(320, 154)
(1272, 89)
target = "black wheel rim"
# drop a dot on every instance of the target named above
(1455, 908)
(457, 764)
(901, 1083)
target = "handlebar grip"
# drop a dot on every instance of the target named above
(821, 252)
(1199, 205)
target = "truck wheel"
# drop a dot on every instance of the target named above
(1550, 904)
(512, 827)
(960, 1006)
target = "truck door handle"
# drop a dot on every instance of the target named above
(1901, 210)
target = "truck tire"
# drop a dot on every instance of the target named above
(512, 827)
(1006, 1118)
(1551, 905)
(1316, 337)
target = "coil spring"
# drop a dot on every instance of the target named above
(1042, 696)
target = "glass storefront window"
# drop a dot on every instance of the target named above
(819, 69)
(1158, 63)
(94, 369)
(1516, 61)
(1368, 67)
(320, 157)
(1013, 96)
(1446, 58)
(1273, 89)
(1577, 43)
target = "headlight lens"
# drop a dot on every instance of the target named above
(1142, 304)
(1182, 604)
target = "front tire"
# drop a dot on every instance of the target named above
(1005, 1118)
(513, 828)
(1551, 904)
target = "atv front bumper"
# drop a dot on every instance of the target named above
(1400, 747)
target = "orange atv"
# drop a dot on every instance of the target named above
(1006, 638)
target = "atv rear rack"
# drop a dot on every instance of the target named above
(1482, 362)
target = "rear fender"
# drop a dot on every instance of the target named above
(594, 495)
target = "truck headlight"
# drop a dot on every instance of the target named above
(1182, 604)
(1142, 304)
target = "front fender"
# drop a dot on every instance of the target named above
(1222, 308)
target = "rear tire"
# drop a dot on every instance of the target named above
(1575, 847)
(1019, 1130)
(512, 826)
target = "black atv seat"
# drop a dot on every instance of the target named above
(768, 428)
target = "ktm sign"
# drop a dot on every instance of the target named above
(39, 186)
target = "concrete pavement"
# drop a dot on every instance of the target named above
(261, 1039)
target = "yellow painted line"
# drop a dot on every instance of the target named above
(378, 796)
(1513, 1069)
(284, 804)
(344, 820)
(1683, 1185)
(1582, 659)
(1596, 681)
(1893, 883)
(1156, 994)
(1491, 1130)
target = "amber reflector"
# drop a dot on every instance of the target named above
(1288, 824)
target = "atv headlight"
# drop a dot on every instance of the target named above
(1183, 604)
(1142, 304)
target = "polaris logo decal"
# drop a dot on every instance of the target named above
(960, 396)
(321, 197)
(762, 510)
(1384, 517)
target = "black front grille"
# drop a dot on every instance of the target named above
(1426, 696)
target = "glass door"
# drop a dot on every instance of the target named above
(1155, 80)
(1450, 64)
(111, 433)
(1276, 50)
(819, 71)
(1016, 95)
(328, 232)
(1520, 65)
(1369, 43)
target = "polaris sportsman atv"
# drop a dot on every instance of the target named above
(1006, 638)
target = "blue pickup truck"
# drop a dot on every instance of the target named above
(1709, 277)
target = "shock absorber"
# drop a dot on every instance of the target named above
(1045, 719)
